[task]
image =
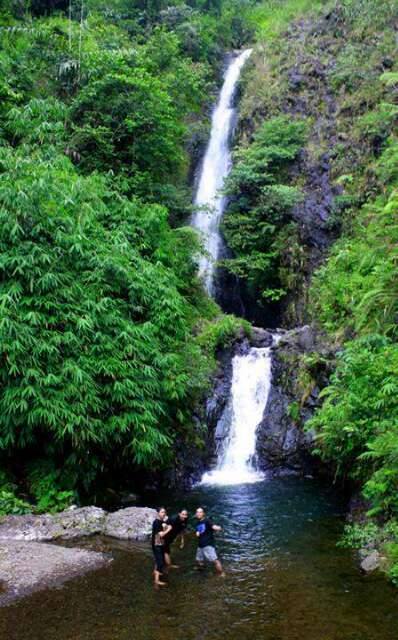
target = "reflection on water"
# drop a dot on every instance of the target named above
(286, 581)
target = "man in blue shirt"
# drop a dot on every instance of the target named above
(206, 546)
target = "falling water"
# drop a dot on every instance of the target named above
(209, 201)
(251, 378)
(251, 381)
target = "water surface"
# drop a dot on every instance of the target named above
(286, 580)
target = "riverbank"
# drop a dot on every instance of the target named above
(28, 563)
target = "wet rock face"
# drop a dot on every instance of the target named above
(132, 523)
(217, 401)
(260, 338)
(282, 441)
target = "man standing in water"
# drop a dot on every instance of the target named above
(206, 546)
(178, 526)
(159, 530)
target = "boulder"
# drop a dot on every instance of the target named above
(371, 562)
(73, 523)
(132, 523)
(260, 337)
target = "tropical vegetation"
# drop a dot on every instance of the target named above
(107, 339)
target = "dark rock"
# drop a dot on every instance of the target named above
(221, 389)
(129, 499)
(260, 337)
(387, 63)
(295, 79)
(281, 438)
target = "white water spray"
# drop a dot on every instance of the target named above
(209, 201)
(251, 382)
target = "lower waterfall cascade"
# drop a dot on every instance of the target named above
(251, 382)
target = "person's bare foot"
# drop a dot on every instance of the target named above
(222, 574)
(174, 566)
(160, 584)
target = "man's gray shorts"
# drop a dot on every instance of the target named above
(206, 553)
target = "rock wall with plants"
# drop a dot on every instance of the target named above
(328, 247)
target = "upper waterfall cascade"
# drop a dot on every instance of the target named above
(209, 201)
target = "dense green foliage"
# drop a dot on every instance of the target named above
(357, 292)
(337, 66)
(257, 222)
(107, 339)
(355, 295)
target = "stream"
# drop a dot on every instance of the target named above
(286, 578)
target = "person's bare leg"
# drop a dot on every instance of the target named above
(157, 580)
(219, 569)
(169, 565)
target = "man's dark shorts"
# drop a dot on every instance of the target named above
(158, 552)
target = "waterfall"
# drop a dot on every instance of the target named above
(209, 201)
(251, 373)
(251, 382)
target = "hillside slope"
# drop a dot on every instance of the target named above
(313, 228)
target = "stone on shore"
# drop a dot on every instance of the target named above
(371, 562)
(131, 523)
(73, 523)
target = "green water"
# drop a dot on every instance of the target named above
(286, 580)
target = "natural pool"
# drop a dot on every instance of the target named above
(286, 580)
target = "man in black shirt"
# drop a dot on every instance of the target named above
(178, 526)
(159, 530)
(205, 534)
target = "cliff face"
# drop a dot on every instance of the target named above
(326, 70)
(301, 364)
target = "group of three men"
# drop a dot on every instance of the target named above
(165, 531)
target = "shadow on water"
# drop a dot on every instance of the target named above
(286, 580)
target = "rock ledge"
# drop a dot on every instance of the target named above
(131, 523)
